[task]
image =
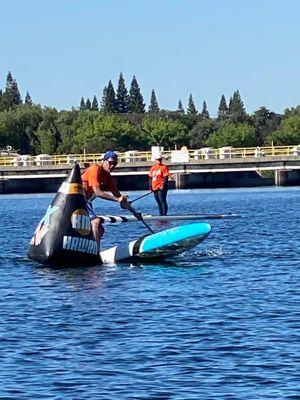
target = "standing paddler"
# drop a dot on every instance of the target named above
(158, 183)
(97, 180)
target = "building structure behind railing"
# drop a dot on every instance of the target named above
(135, 156)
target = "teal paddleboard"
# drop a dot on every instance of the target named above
(164, 244)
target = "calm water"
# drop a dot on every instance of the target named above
(220, 322)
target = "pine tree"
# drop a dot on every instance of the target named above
(191, 106)
(12, 97)
(103, 101)
(1, 101)
(95, 106)
(122, 97)
(28, 100)
(180, 108)
(82, 104)
(109, 99)
(236, 106)
(88, 104)
(223, 109)
(153, 107)
(136, 101)
(204, 113)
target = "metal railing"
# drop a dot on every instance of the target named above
(144, 156)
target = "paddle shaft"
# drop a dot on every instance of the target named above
(138, 198)
(139, 217)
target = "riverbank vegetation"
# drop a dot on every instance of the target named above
(121, 121)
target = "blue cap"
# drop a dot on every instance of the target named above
(110, 154)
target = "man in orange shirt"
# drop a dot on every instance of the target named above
(96, 180)
(158, 183)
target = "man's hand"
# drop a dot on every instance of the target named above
(123, 200)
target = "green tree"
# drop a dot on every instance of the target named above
(4, 140)
(71, 125)
(291, 111)
(265, 123)
(95, 106)
(223, 109)
(237, 110)
(67, 125)
(28, 100)
(136, 101)
(153, 107)
(88, 104)
(122, 97)
(109, 99)
(180, 108)
(236, 135)
(106, 132)
(82, 104)
(11, 95)
(191, 106)
(48, 134)
(200, 133)
(204, 112)
(164, 132)
(18, 127)
(288, 132)
(2, 104)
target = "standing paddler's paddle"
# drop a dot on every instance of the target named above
(138, 198)
(139, 217)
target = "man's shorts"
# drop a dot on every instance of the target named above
(91, 211)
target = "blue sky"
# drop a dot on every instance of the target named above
(60, 50)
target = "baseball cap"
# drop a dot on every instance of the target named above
(110, 154)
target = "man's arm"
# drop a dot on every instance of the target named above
(116, 196)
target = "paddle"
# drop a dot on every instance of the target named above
(138, 198)
(139, 217)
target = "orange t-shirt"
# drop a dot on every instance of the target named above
(96, 176)
(158, 173)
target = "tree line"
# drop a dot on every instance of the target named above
(121, 122)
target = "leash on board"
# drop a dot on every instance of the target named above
(139, 217)
(138, 198)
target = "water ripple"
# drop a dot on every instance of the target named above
(221, 321)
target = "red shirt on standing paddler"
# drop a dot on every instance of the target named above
(158, 173)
